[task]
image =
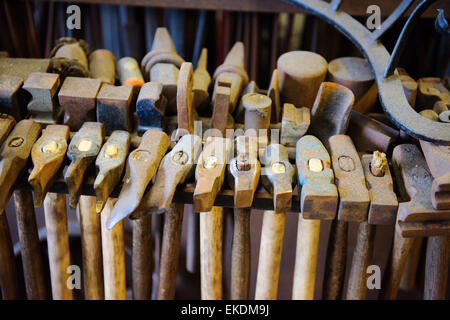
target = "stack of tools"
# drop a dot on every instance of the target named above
(157, 157)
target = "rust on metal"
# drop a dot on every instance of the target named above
(239, 113)
(110, 163)
(383, 201)
(48, 155)
(232, 68)
(7, 123)
(438, 160)
(244, 171)
(202, 80)
(431, 90)
(300, 75)
(102, 66)
(319, 196)
(78, 96)
(210, 172)
(22, 67)
(113, 107)
(14, 154)
(277, 176)
(221, 118)
(274, 93)
(349, 179)
(185, 111)
(162, 65)
(43, 107)
(141, 167)
(415, 182)
(150, 107)
(83, 149)
(11, 99)
(294, 124)
(369, 134)
(69, 58)
(409, 86)
(331, 110)
(257, 111)
(175, 167)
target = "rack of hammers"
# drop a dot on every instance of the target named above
(185, 137)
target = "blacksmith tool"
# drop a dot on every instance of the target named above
(330, 116)
(300, 76)
(77, 97)
(9, 281)
(102, 66)
(69, 58)
(355, 73)
(244, 175)
(202, 80)
(162, 65)
(43, 107)
(210, 174)
(294, 124)
(150, 107)
(141, 167)
(232, 68)
(318, 201)
(277, 177)
(382, 210)
(14, 157)
(417, 218)
(11, 97)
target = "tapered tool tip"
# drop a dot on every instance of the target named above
(163, 41)
(236, 55)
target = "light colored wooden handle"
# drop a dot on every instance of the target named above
(393, 274)
(211, 228)
(362, 257)
(113, 251)
(270, 255)
(308, 235)
(409, 276)
(91, 246)
(58, 244)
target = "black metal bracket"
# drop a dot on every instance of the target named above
(392, 97)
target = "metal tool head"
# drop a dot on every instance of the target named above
(113, 107)
(244, 171)
(210, 172)
(130, 73)
(82, 151)
(349, 179)
(416, 217)
(202, 80)
(274, 93)
(331, 111)
(277, 176)
(233, 68)
(383, 201)
(294, 124)
(430, 91)
(141, 167)
(175, 167)
(78, 96)
(318, 196)
(7, 123)
(14, 155)
(438, 160)
(257, 111)
(43, 107)
(69, 58)
(239, 113)
(221, 118)
(11, 99)
(185, 111)
(110, 163)
(162, 65)
(150, 107)
(48, 155)
(102, 66)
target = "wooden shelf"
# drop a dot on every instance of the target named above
(352, 7)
